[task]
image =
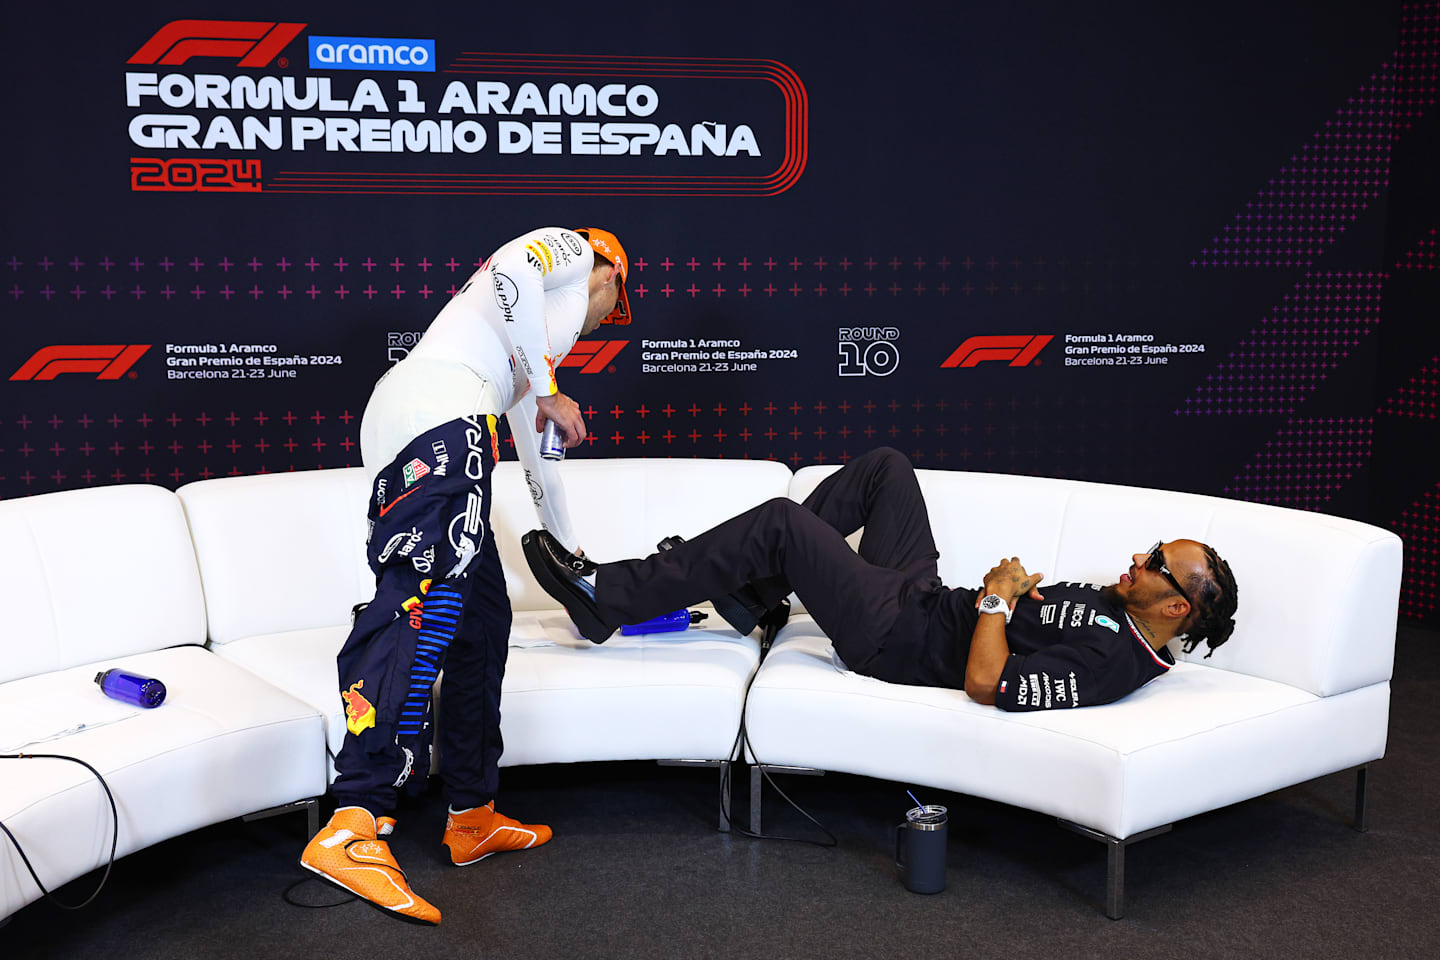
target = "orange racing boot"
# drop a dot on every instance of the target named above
(348, 853)
(474, 834)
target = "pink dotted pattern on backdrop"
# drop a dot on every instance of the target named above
(1345, 165)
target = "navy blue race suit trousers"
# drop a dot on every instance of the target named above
(440, 603)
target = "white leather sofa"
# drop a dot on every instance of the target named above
(282, 559)
(265, 570)
(1302, 688)
(94, 579)
(237, 594)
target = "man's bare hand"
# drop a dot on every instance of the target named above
(1009, 580)
(566, 414)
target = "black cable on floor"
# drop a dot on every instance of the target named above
(285, 895)
(743, 735)
(114, 839)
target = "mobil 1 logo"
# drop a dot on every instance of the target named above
(872, 351)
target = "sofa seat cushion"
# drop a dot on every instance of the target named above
(223, 744)
(564, 698)
(302, 663)
(1193, 740)
(655, 697)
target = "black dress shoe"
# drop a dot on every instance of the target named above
(742, 609)
(562, 575)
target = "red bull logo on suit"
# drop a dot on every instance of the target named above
(359, 712)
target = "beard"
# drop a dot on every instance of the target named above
(1137, 598)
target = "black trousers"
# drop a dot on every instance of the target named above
(873, 605)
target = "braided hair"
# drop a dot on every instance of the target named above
(1214, 615)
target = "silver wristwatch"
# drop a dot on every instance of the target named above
(994, 603)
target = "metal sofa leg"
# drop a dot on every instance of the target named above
(1115, 862)
(1114, 879)
(311, 808)
(1362, 776)
(724, 766)
(758, 771)
(725, 794)
(757, 793)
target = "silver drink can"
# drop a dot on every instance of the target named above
(552, 442)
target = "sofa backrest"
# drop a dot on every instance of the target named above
(622, 508)
(280, 551)
(89, 575)
(286, 551)
(1318, 595)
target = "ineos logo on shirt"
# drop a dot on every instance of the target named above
(507, 294)
(574, 243)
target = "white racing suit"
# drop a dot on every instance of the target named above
(427, 438)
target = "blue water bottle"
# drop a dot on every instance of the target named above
(129, 688)
(665, 623)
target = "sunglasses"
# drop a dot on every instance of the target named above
(1156, 562)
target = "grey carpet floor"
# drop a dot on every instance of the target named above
(637, 870)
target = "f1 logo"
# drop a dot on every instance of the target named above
(1019, 349)
(109, 361)
(592, 356)
(254, 42)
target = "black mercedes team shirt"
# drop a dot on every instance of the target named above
(1073, 649)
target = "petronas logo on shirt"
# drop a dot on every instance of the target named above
(414, 470)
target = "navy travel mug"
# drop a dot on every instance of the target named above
(920, 848)
(129, 688)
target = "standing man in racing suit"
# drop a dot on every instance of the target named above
(429, 438)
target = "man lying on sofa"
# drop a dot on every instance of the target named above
(886, 611)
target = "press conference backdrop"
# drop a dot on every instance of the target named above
(1173, 246)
